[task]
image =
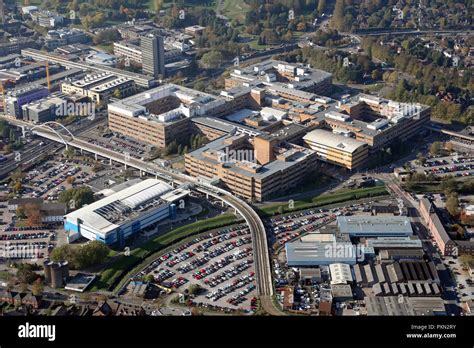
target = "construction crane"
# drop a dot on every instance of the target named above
(18, 64)
(46, 65)
(3, 92)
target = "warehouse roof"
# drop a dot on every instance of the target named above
(372, 225)
(110, 212)
(316, 253)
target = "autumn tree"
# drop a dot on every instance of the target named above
(321, 6)
(33, 214)
(37, 288)
(452, 204)
(436, 148)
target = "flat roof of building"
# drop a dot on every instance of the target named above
(314, 253)
(224, 125)
(296, 155)
(80, 282)
(306, 76)
(341, 291)
(195, 102)
(363, 224)
(394, 242)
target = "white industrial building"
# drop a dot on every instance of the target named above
(117, 217)
(340, 273)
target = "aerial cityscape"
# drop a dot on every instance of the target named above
(236, 158)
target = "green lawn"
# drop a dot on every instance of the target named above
(235, 9)
(339, 196)
(375, 87)
(115, 271)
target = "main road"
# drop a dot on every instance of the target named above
(257, 229)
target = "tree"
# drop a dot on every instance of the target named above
(269, 37)
(69, 152)
(158, 5)
(301, 25)
(212, 59)
(172, 148)
(117, 94)
(337, 20)
(25, 273)
(465, 260)
(194, 289)
(33, 214)
(452, 204)
(449, 146)
(196, 311)
(92, 253)
(149, 278)
(18, 186)
(321, 6)
(70, 180)
(449, 185)
(24, 287)
(436, 148)
(107, 35)
(79, 195)
(420, 158)
(20, 212)
(459, 230)
(37, 288)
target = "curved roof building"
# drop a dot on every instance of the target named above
(122, 214)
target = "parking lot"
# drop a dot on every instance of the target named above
(119, 143)
(284, 228)
(456, 166)
(54, 176)
(220, 262)
(27, 246)
(464, 288)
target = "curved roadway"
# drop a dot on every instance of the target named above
(257, 229)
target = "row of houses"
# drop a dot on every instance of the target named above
(447, 246)
(20, 299)
(28, 301)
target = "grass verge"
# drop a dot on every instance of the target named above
(338, 196)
